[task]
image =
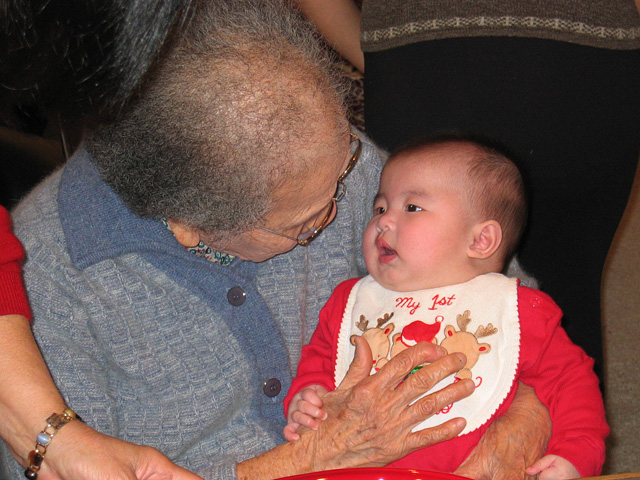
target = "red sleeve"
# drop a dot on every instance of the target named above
(13, 299)
(563, 378)
(317, 361)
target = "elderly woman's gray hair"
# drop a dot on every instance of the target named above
(212, 133)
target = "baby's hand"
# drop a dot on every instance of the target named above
(553, 467)
(305, 409)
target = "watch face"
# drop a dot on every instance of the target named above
(375, 474)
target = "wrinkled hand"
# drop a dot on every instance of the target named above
(513, 442)
(369, 417)
(81, 453)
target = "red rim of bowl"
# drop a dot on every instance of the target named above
(385, 473)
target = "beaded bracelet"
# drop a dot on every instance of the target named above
(54, 423)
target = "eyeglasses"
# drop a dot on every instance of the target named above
(328, 213)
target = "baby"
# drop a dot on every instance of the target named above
(447, 218)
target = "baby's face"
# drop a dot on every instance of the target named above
(421, 228)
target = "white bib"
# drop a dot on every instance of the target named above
(478, 318)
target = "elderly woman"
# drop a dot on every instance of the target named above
(178, 262)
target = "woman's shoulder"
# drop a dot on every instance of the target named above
(36, 216)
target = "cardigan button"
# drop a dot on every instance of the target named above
(272, 387)
(535, 302)
(236, 296)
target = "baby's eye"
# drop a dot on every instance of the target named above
(378, 210)
(413, 208)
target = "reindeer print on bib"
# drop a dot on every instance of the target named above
(478, 318)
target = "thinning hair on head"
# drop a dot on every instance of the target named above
(494, 185)
(223, 117)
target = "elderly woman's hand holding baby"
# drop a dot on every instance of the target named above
(368, 422)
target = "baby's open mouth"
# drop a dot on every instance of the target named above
(384, 249)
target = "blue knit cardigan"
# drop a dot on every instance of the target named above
(141, 337)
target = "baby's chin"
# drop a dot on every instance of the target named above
(403, 285)
(398, 285)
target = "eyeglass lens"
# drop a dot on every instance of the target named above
(326, 216)
(322, 220)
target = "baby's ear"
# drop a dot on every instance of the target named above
(487, 238)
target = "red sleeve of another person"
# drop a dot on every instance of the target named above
(13, 299)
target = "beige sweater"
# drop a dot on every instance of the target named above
(613, 24)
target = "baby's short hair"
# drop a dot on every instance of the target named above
(494, 184)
